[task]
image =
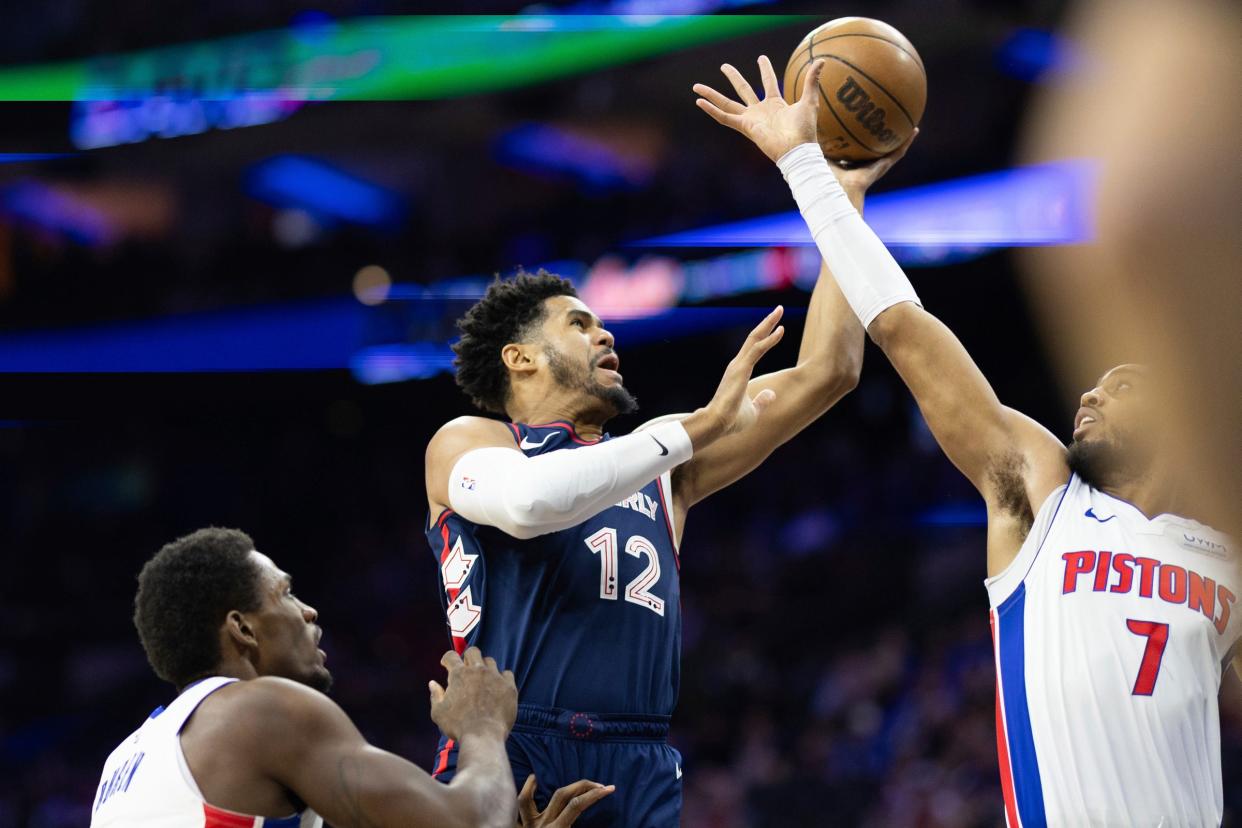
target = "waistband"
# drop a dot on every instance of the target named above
(593, 727)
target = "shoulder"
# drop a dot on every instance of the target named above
(463, 433)
(259, 708)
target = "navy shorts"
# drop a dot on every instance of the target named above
(562, 746)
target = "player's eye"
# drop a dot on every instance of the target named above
(579, 323)
(1122, 387)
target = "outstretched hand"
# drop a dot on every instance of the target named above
(731, 408)
(776, 127)
(773, 125)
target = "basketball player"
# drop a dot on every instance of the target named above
(558, 545)
(1113, 615)
(253, 741)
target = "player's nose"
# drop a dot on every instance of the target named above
(1091, 398)
(606, 338)
(310, 613)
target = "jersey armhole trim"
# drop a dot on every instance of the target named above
(1005, 576)
(667, 502)
(182, 764)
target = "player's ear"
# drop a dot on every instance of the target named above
(518, 357)
(239, 631)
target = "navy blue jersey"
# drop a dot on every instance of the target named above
(588, 618)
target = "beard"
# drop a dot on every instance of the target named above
(320, 680)
(572, 376)
(1094, 462)
(1102, 462)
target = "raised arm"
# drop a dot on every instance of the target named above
(301, 739)
(1013, 462)
(829, 357)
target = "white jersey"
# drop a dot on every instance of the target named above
(1111, 633)
(147, 784)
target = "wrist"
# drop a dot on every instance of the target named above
(703, 428)
(484, 729)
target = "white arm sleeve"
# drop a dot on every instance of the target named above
(530, 496)
(867, 273)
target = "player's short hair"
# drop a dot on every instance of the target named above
(506, 313)
(184, 594)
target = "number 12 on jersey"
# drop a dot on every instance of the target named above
(1157, 635)
(604, 544)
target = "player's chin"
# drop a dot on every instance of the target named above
(319, 678)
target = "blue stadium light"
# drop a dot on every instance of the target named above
(1038, 205)
(56, 211)
(545, 150)
(24, 157)
(954, 515)
(325, 191)
(400, 362)
(295, 336)
(1035, 54)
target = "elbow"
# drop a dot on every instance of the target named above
(841, 374)
(847, 370)
(885, 328)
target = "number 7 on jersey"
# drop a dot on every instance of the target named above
(1157, 636)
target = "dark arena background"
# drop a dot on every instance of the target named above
(233, 240)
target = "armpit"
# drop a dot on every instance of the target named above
(1008, 484)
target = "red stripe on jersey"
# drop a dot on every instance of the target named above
(667, 502)
(1002, 746)
(459, 644)
(442, 758)
(216, 818)
(517, 433)
(443, 517)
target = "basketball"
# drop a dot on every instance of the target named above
(873, 85)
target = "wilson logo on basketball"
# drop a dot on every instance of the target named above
(856, 100)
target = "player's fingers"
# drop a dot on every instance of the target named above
(719, 99)
(809, 92)
(472, 657)
(740, 85)
(490, 664)
(766, 326)
(720, 117)
(884, 163)
(526, 802)
(763, 330)
(508, 676)
(575, 806)
(450, 660)
(771, 89)
(769, 342)
(437, 692)
(562, 796)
